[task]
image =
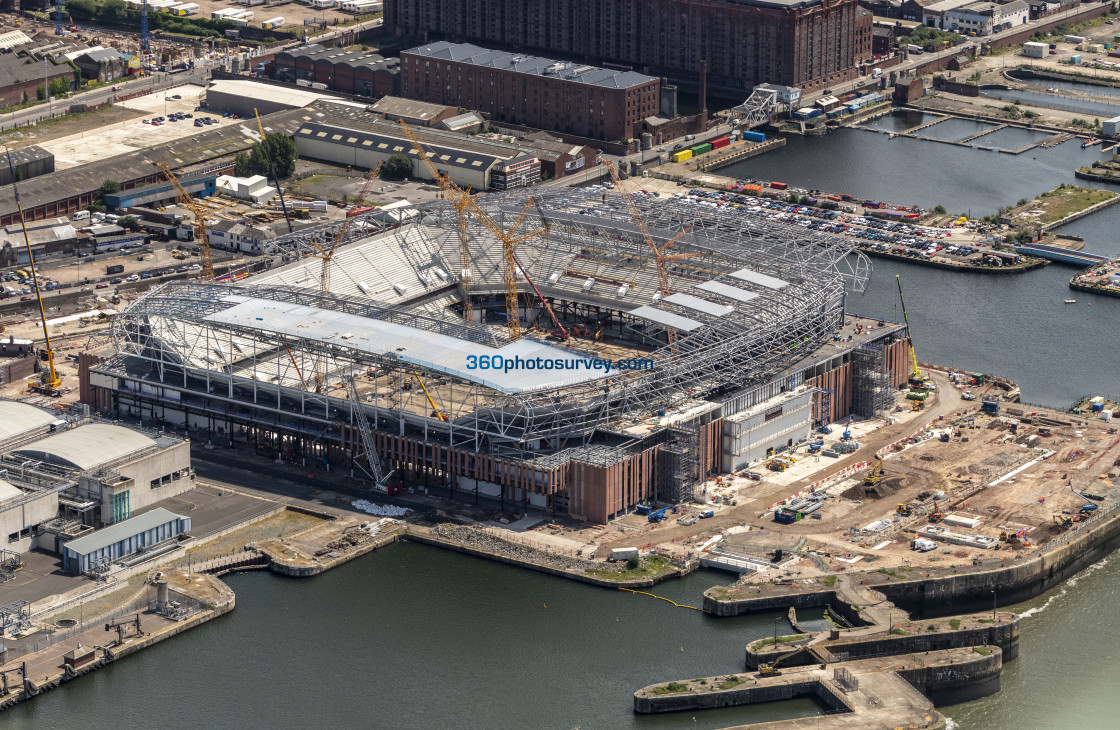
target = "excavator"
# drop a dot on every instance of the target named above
(903, 509)
(770, 669)
(875, 475)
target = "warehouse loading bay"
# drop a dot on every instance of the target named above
(973, 486)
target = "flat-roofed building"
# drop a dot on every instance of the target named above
(123, 539)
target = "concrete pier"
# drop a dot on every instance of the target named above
(882, 692)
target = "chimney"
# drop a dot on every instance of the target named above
(703, 101)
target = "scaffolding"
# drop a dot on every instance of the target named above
(678, 468)
(871, 381)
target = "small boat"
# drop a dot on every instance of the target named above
(1071, 301)
(1089, 142)
(1051, 90)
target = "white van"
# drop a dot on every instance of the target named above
(81, 215)
(689, 137)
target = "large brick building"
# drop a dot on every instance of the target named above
(530, 91)
(348, 72)
(805, 43)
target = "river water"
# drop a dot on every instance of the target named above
(412, 636)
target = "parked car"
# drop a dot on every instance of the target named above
(102, 285)
(117, 280)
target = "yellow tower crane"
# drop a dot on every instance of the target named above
(340, 235)
(661, 258)
(201, 211)
(47, 381)
(459, 197)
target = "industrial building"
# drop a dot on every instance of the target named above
(809, 44)
(362, 140)
(756, 314)
(414, 113)
(543, 93)
(243, 97)
(123, 539)
(65, 474)
(28, 162)
(346, 72)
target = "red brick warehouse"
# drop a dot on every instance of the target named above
(805, 43)
(531, 91)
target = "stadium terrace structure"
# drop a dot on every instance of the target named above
(757, 313)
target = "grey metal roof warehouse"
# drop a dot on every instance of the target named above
(87, 447)
(521, 63)
(230, 137)
(113, 534)
(397, 144)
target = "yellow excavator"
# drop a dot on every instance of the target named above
(770, 669)
(875, 475)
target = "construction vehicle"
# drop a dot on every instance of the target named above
(968, 395)
(47, 382)
(657, 515)
(777, 465)
(1062, 520)
(937, 514)
(847, 430)
(989, 405)
(915, 371)
(824, 429)
(875, 475)
(815, 447)
(770, 669)
(918, 405)
(903, 510)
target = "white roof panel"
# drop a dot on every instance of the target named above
(754, 277)
(668, 319)
(700, 305)
(7, 491)
(726, 290)
(442, 353)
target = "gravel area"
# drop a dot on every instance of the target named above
(482, 540)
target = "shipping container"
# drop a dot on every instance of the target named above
(701, 149)
(114, 269)
(779, 185)
(754, 136)
(187, 9)
(1035, 50)
(1074, 39)
(624, 553)
(682, 156)
(273, 23)
(1075, 59)
(721, 142)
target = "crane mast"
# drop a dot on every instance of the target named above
(915, 371)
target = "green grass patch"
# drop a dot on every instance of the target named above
(652, 567)
(889, 572)
(982, 650)
(898, 632)
(671, 688)
(781, 640)
(830, 580)
(954, 624)
(731, 683)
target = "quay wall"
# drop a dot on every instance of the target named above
(760, 604)
(971, 589)
(741, 695)
(959, 682)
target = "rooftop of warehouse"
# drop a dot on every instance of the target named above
(269, 92)
(391, 140)
(338, 56)
(18, 418)
(232, 137)
(363, 120)
(113, 534)
(522, 63)
(409, 108)
(93, 445)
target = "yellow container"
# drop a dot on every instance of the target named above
(682, 156)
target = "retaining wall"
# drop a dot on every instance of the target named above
(960, 682)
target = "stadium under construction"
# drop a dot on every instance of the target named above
(749, 350)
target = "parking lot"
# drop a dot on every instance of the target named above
(136, 133)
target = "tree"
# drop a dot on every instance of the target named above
(40, 92)
(397, 166)
(241, 166)
(59, 86)
(129, 223)
(113, 11)
(82, 9)
(282, 150)
(108, 187)
(940, 210)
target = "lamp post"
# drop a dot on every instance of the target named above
(993, 604)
